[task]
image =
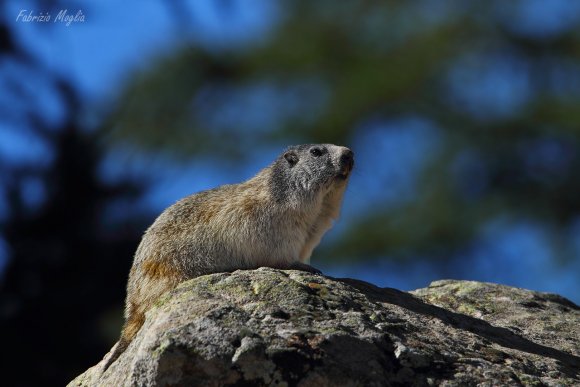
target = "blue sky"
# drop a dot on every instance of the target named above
(121, 38)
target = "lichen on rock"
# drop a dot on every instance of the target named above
(291, 328)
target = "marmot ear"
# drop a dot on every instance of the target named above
(291, 157)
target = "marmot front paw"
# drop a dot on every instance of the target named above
(305, 267)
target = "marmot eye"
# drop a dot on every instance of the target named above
(316, 152)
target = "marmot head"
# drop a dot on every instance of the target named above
(304, 171)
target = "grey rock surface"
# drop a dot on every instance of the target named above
(292, 328)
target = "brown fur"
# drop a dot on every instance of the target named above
(207, 214)
(132, 325)
(155, 269)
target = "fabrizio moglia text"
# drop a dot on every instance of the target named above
(63, 16)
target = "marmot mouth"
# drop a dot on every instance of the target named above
(346, 164)
(345, 171)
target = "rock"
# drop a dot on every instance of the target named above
(288, 328)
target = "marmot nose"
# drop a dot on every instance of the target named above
(347, 159)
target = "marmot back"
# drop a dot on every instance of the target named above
(274, 219)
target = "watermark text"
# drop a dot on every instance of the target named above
(64, 16)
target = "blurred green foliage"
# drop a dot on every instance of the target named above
(336, 65)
